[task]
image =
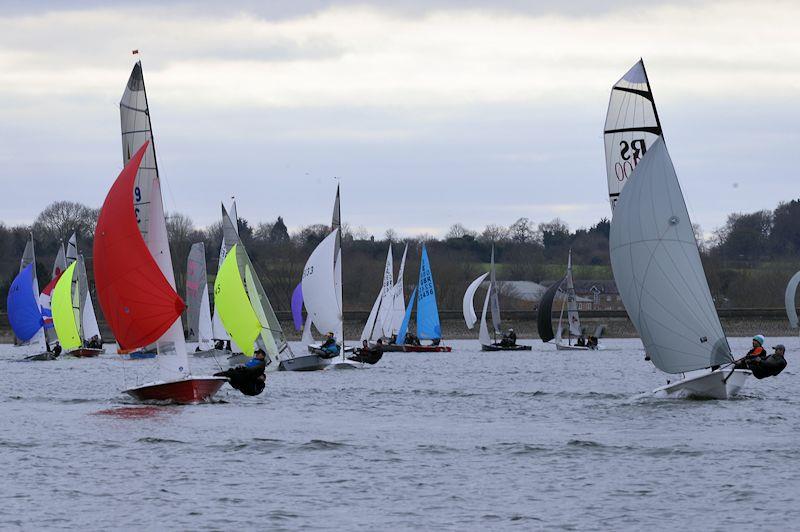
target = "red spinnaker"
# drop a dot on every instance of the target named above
(137, 300)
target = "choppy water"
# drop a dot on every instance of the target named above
(540, 440)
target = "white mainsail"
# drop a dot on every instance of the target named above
(198, 311)
(572, 303)
(468, 305)
(483, 334)
(632, 126)
(379, 322)
(136, 129)
(320, 292)
(398, 298)
(658, 271)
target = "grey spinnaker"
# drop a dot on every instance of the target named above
(789, 298)
(631, 128)
(544, 321)
(658, 271)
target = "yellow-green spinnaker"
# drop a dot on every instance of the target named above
(233, 305)
(65, 316)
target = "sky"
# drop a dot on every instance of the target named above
(429, 113)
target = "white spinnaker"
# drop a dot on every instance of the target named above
(384, 319)
(632, 126)
(319, 287)
(398, 298)
(219, 329)
(337, 277)
(172, 360)
(468, 305)
(483, 335)
(658, 270)
(789, 300)
(572, 303)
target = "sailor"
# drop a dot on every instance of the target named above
(219, 345)
(758, 351)
(329, 344)
(581, 341)
(95, 342)
(249, 379)
(57, 349)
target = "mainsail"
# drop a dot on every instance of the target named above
(398, 298)
(494, 300)
(198, 314)
(658, 271)
(572, 303)
(428, 325)
(632, 126)
(379, 322)
(483, 334)
(148, 213)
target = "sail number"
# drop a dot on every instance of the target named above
(308, 271)
(631, 153)
(137, 198)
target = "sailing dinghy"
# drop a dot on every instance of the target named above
(428, 325)
(322, 295)
(133, 265)
(198, 305)
(88, 329)
(243, 306)
(573, 325)
(24, 309)
(45, 298)
(69, 309)
(491, 303)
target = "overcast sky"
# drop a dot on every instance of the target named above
(431, 113)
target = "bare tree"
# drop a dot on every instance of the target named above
(61, 218)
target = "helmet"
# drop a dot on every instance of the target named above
(760, 339)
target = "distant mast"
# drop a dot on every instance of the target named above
(631, 128)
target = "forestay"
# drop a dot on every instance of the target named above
(632, 126)
(658, 270)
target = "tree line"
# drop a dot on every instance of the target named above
(747, 261)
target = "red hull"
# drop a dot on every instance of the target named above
(189, 391)
(86, 352)
(427, 348)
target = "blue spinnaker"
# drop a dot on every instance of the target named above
(428, 326)
(24, 312)
(401, 334)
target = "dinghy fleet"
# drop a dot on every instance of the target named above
(654, 256)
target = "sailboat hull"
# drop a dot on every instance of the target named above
(427, 348)
(86, 352)
(567, 347)
(498, 347)
(186, 391)
(311, 362)
(718, 384)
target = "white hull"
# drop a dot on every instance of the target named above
(717, 384)
(567, 347)
(339, 363)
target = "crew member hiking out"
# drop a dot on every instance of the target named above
(250, 378)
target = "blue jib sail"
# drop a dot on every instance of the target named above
(428, 326)
(401, 334)
(24, 312)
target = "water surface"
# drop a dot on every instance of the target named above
(465, 440)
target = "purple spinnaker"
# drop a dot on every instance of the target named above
(297, 306)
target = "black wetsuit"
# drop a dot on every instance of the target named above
(249, 379)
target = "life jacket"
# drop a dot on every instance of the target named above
(757, 352)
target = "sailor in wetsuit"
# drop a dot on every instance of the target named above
(329, 345)
(509, 339)
(250, 378)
